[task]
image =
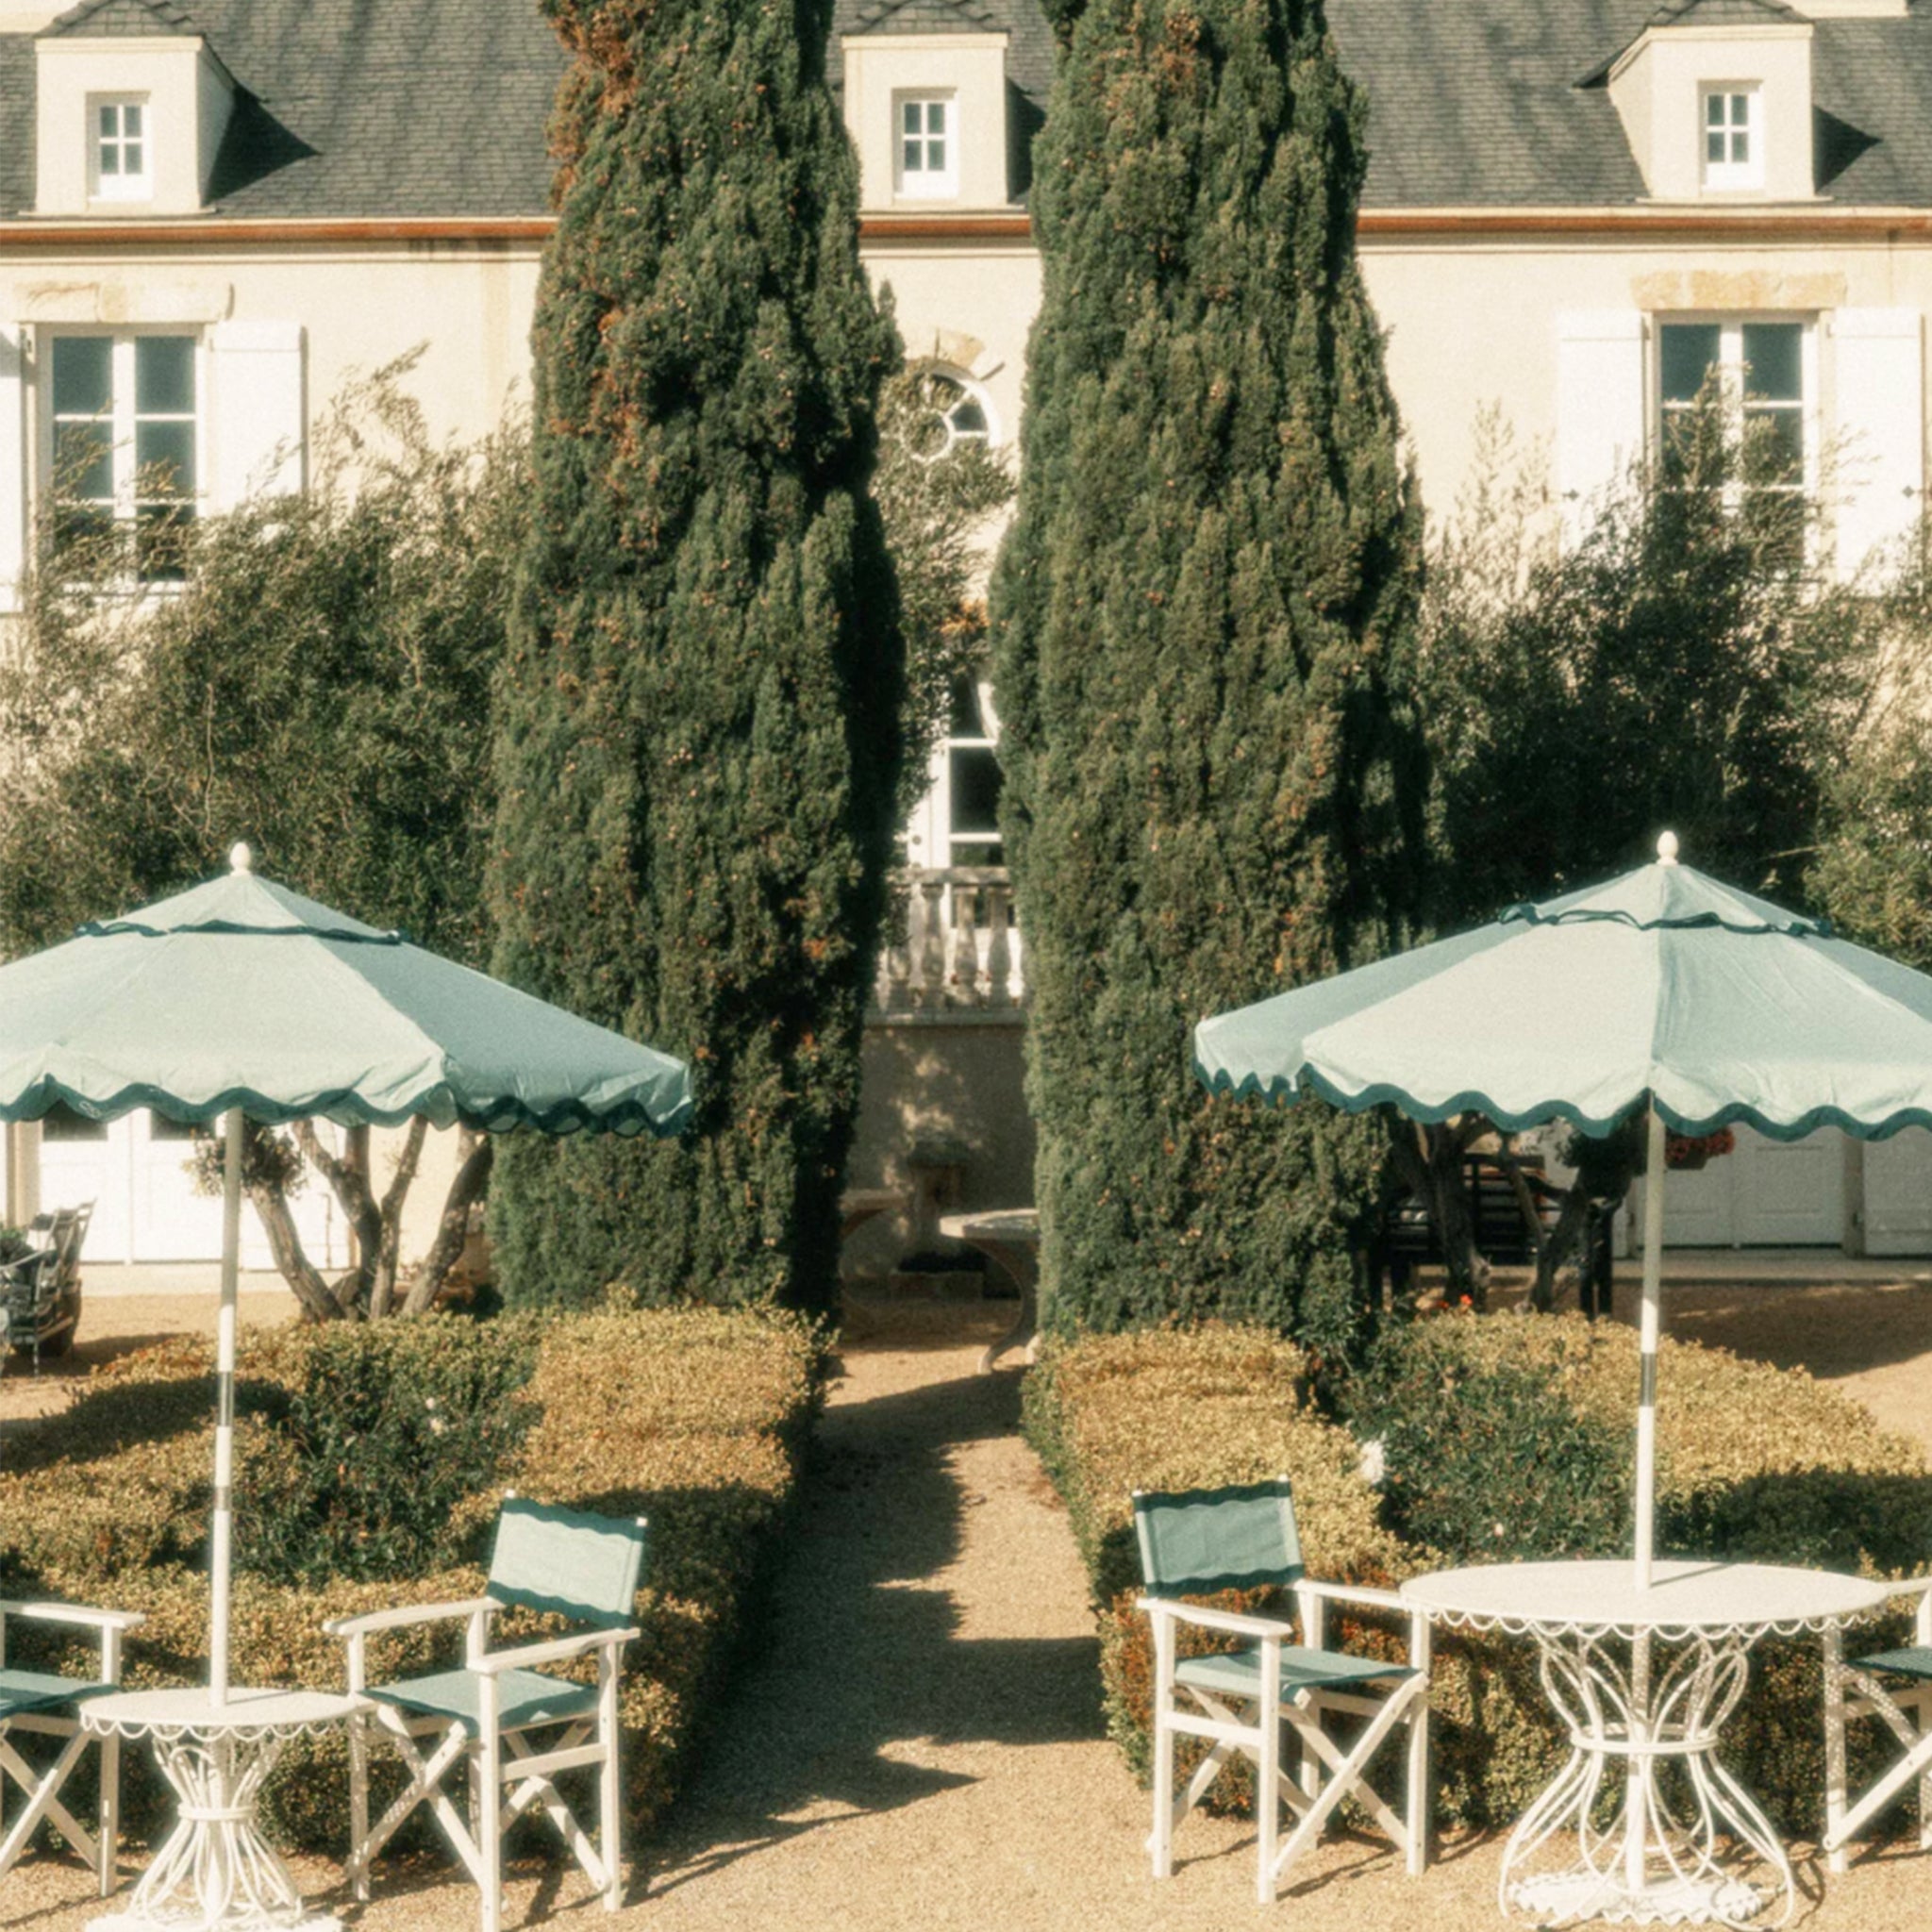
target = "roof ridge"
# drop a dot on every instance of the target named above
(1675, 12)
(872, 14)
(170, 15)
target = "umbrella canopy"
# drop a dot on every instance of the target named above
(241, 998)
(240, 993)
(1663, 989)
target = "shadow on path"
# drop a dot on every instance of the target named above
(862, 1668)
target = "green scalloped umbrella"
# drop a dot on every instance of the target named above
(1662, 990)
(241, 998)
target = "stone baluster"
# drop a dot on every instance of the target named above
(999, 950)
(896, 991)
(929, 975)
(963, 989)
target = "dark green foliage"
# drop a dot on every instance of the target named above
(1485, 1460)
(438, 1398)
(698, 741)
(1675, 668)
(1202, 621)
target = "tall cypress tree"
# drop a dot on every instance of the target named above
(1203, 629)
(699, 721)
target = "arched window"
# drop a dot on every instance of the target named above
(953, 409)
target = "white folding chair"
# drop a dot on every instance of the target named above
(39, 1703)
(1199, 1543)
(510, 1722)
(1895, 1686)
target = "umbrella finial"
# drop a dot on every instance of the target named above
(1667, 849)
(240, 856)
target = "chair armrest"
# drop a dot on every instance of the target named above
(555, 1650)
(1215, 1619)
(72, 1613)
(1354, 1593)
(406, 1615)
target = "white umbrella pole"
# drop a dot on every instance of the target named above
(1646, 1387)
(220, 1557)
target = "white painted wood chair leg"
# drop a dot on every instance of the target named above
(1314, 1611)
(1161, 1844)
(1268, 1776)
(489, 1831)
(108, 1811)
(611, 1825)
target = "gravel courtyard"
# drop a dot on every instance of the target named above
(916, 1740)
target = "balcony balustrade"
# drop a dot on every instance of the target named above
(951, 942)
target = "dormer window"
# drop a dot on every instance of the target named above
(928, 144)
(1733, 138)
(119, 163)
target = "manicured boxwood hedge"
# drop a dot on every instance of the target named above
(695, 1419)
(1756, 1463)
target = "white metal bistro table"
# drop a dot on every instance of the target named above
(1642, 1824)
(1010, 1237)
(215, 1872)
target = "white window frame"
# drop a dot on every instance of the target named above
(949, 436)
(121, 185)
(121, 421)
(1731, 381)
(924, 182)
(1729, 172)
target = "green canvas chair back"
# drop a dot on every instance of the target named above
(586, 1567)
(1194, 1543)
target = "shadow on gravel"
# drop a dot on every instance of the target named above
(859, 1664)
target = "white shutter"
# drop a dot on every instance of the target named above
(13, 472)
(1879, 431)
(257, 422)
(1599, 408)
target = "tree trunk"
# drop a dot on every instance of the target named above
(472, 1177)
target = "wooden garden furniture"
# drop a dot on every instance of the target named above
(513, 1723)
(1202, 1541)
(37, 1703)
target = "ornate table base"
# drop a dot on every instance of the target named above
(1642, 1825)
(216, 1872)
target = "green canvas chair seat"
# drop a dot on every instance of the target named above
(1203, 1542)
(505, 1715)
(1895, 1687)
(524, 1698)
(1238, 1674)
(43, 1705)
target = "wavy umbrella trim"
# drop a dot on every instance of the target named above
(1283, 1090)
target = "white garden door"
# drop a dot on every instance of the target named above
(1763, 1194)
(135, 1171)
(1898, 1194)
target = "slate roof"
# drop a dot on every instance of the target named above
(125, 17)
(1725, 12)
(374, 108)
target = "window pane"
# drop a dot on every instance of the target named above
(963, 719)
(111, 122)
(975, 791)
(935, 117)
(936, 157)
(1714, 110)
(110, 161)
(135, 164)
(910, 158)
(909, 116)
(969, 419)
(1772, 364)
(84, 462)
(164, 375)
(1776, 444)
(60, 1123)
(163, 458)
(1688, 351)
(130, 119)
(1713, 147)
(82, 378)
(160, 530)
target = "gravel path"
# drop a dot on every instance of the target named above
(916, 1742)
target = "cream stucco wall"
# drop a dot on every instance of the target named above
(1476, 324)
(467, 304)
(971, 70)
